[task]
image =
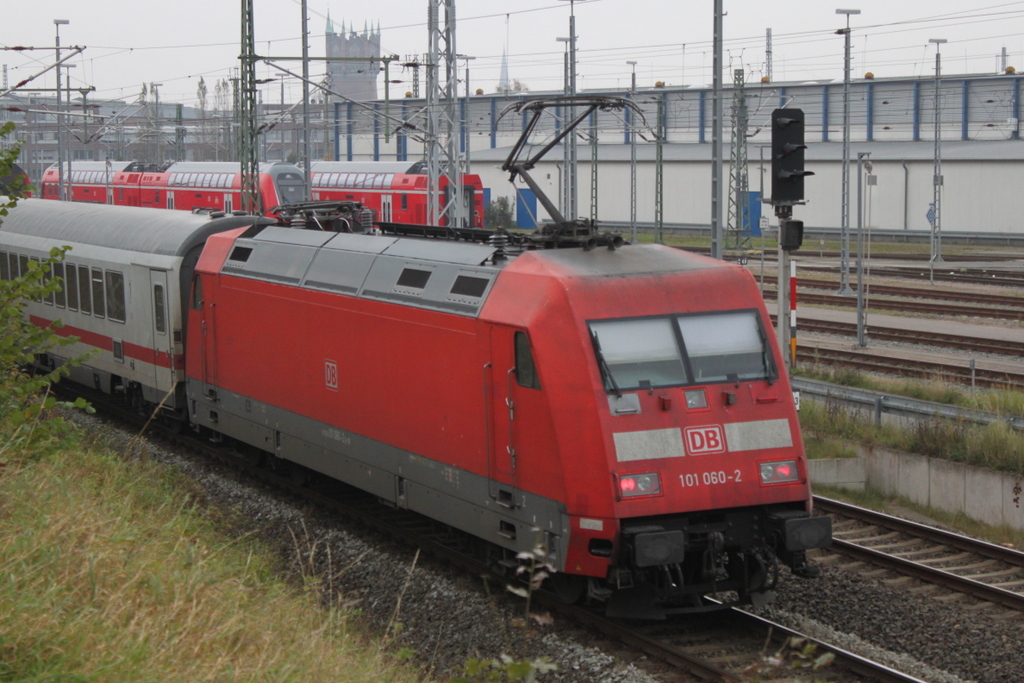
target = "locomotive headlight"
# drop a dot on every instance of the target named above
(632, 485)
(696, 398)
(779, 472)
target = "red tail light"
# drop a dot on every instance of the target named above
(779, 472)
(632, 485)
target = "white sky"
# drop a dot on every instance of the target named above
(177, 41)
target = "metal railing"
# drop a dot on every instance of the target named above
(898, 406)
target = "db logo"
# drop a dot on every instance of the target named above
(702, 440)
(331, 374)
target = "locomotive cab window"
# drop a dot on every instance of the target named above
(706, 348)
(725, 347)
(526, 370)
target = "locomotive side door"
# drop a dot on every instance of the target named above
(513, 397)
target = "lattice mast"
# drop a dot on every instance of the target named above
(442, 143)
(247, 135)
(739, 203)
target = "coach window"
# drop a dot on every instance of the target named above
(84, 288)
(58, 296)
(120, 194)
(71, 286)
(405, 202)
(156, 196)
(160, 318)
(5, 271)
(526, 371)
(115, 296)
(97, 293)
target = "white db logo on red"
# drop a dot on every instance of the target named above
(704, 440)
(331, 375)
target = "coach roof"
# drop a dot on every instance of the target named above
(149, 231)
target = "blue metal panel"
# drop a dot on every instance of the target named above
(824, 113)
(754, 212)
(702, 115)
(526, 209)
(964, 109)
(917, 111)
(487, 202)
(871, 112)
(627, 124)
(782, 98)
(494, 122)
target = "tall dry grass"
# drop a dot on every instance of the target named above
(109, 574)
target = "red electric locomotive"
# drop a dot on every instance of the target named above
(395, 191)
(625, 408)
(183, 185)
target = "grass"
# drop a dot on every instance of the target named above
(112, 574)
(1003, 535)
(828, 424)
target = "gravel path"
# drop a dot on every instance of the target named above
(446, 617)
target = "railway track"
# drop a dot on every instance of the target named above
(971, 276)
(912, 293)
(726, 645)
(911, 367)
(936, 309)
(924, 338)
(958, 563)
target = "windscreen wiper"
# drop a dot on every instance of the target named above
(766, 357)
(606, 372)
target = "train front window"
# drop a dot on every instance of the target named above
(290, 187)
(707, 348)
(638, 352)
(724, 347)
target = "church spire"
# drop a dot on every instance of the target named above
(330, 25)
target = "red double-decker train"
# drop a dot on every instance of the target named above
(395, 191)
(184, 186)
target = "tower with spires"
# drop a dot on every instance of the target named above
(354, 79)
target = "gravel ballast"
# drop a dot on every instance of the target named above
(446, 617)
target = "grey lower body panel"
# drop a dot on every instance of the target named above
(451, 495)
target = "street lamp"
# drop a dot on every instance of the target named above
(844, 238)
(937, 173)
(632, 159)
(61, 188)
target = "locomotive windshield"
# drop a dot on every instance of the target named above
(290, 187)
(666, 351)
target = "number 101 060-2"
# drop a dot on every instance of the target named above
(708, 478)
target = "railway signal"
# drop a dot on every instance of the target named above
(788, 156)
